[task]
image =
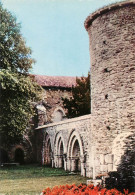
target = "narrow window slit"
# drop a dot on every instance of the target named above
(108, 128)
(106, 96)
(106, 70)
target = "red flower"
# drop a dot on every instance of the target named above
(82, 189)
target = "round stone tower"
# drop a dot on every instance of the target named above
(112, 49)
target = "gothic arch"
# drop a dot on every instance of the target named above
(47, 151)
(19, 154)
(75, 153)
(72, 138)
(58, 114)
(59, 151)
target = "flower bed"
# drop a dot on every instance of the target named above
(82, 189)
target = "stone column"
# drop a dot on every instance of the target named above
(53, 164)
(69, 164)
(56, 161)
(73, 165)
(65, 161)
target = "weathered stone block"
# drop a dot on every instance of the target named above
(104, 168)
(109, 158)
(102, 159)
(95, 182)
(110, 167)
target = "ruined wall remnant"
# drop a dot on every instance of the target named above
(55, 88)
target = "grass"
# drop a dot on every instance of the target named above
(32, 179)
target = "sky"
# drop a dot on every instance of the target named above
(54, 30)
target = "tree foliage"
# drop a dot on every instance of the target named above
(79, 103)
(14, 55)
(17, 88)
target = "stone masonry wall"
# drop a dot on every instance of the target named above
(97, 144)
(51, 108)
(54, 100)
(67, 131)
(112, 49)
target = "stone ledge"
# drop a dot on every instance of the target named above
(9, 164)
(95, 182)
(66, 121)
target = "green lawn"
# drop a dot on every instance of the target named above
(32, 179)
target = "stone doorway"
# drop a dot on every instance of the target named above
(19, 156)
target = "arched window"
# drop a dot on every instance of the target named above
(58, 115)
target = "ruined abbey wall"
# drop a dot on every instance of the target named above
(93, 144)
(55, 104)
(51, 108)
(108, 133)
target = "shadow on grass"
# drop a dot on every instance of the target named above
(31, 171)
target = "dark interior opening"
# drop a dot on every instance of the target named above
(19, 156)
(106, 96)
(61, 154)
(108, 128)
(3, 156)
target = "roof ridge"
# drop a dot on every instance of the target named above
(55, 81)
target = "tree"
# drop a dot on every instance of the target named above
(17, 88)
(79, 103)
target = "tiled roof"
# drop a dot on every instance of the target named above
(55, 81)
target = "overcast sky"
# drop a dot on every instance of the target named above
(54, 29)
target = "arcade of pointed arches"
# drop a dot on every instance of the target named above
(68, 155)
